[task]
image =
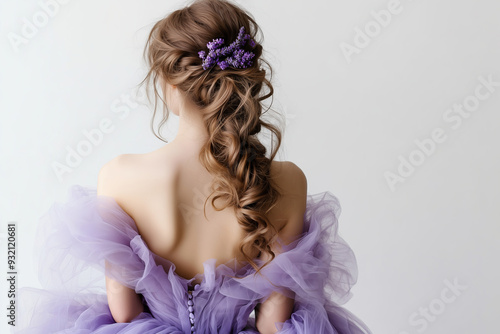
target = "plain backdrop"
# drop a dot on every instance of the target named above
(368, 89)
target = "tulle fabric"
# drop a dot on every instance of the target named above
(75, 238)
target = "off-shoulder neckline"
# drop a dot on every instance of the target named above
(209, 263)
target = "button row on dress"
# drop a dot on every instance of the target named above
(191, 309)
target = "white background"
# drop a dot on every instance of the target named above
(349, 119)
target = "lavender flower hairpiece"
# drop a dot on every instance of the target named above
(233, 54)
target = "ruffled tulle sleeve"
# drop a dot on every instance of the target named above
(318, 270)
(83, 233)
(73, 239)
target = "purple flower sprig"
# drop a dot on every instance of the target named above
(233, 55)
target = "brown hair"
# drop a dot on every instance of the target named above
(231, 100)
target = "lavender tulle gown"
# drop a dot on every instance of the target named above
(76, 237)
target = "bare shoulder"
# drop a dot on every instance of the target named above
(292, 183)
(114, 174)
(290, 176)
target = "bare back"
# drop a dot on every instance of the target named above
(165, 191)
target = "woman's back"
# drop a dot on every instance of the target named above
(164, 192)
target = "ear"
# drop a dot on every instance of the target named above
(168, 90)
(165, 85)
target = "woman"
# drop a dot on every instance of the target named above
(201, 233)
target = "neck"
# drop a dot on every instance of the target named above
(192, 129)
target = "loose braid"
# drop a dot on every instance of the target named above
(231, 101)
